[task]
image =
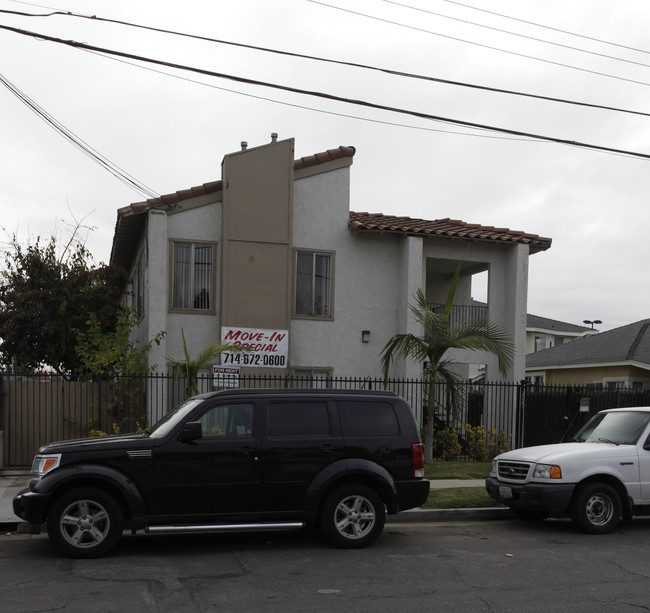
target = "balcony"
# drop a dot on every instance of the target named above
(462, 314)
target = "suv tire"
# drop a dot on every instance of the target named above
(353, 516)
(596, 508)
(85, 523)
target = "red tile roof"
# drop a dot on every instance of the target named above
(326, 156)
(450, 228)
(217, 186)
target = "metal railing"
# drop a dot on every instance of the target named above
(461, 315)
(36, 409)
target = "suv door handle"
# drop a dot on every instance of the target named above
(248, 451)
(328, 447)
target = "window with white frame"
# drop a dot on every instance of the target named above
(192, 276)
(313, 284)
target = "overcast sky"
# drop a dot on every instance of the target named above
(169, 129)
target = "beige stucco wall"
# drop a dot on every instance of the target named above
(571, 376)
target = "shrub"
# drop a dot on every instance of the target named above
(476, 443)
(445, 444)
(482, 447)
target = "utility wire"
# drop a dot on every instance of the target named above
(502, 31)
(340, 62)
(484, 46)
(304, 107)
(82, 146)
(326, 96)
(539, 25)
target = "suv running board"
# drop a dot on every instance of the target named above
(226, 527)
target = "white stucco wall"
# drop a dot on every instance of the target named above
(366, 270)
(201, 329)
(375, 279)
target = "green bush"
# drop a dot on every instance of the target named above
(482, 447)
(445, 444)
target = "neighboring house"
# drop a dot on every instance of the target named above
(272, 252)
(542, 333)
(619, 357)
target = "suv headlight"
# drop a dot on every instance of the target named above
(42, 465)
(547, 471)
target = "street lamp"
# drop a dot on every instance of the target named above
(589, 321)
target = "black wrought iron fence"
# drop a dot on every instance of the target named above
(38, 408)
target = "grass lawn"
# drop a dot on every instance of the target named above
(458, 497)
(457, 470)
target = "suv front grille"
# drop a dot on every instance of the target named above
(517, 471)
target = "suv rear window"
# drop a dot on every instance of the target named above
(368, 418)
(298, 419)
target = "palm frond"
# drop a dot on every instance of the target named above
(190, 367)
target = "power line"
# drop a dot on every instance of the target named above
(484, 46)
(341, 62)
(82, 146)
(307, 108)
(518, 34)
(539, 25)
(327, 96)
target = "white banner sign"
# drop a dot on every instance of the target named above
(262, 347)
(225, 376)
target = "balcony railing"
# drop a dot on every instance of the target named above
(462, 314)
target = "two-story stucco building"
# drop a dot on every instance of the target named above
(271, 251)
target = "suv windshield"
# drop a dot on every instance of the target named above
(167, 422)
(620, 428)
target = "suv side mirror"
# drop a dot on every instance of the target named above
(192, 431)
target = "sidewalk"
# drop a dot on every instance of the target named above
(12, 481)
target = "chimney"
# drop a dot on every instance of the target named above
(274, 137)
(244, 145)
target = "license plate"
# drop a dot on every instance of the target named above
(505, 492)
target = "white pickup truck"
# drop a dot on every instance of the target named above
(599, 477)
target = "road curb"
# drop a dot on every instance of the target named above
(441, 515)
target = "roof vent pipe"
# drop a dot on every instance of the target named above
(244, 145)
(274, 137)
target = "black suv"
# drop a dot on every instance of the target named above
(235, 460)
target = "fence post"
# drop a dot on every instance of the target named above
(519, 414)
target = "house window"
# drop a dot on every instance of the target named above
(313, 284)
(538, 343)
(192, 276)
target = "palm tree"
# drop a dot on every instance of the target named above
(439, 335)
(190, 367)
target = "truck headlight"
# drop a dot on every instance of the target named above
(493, 469)
(42, 465)
(547, 471)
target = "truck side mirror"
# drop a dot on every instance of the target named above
(192, 431)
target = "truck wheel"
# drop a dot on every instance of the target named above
(85, 523)
(353, 516)
(596, 508)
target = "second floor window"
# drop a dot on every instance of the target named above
(192, 276)
(313, 289)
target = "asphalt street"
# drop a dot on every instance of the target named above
(479, 566)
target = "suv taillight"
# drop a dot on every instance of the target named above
(418, 460)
